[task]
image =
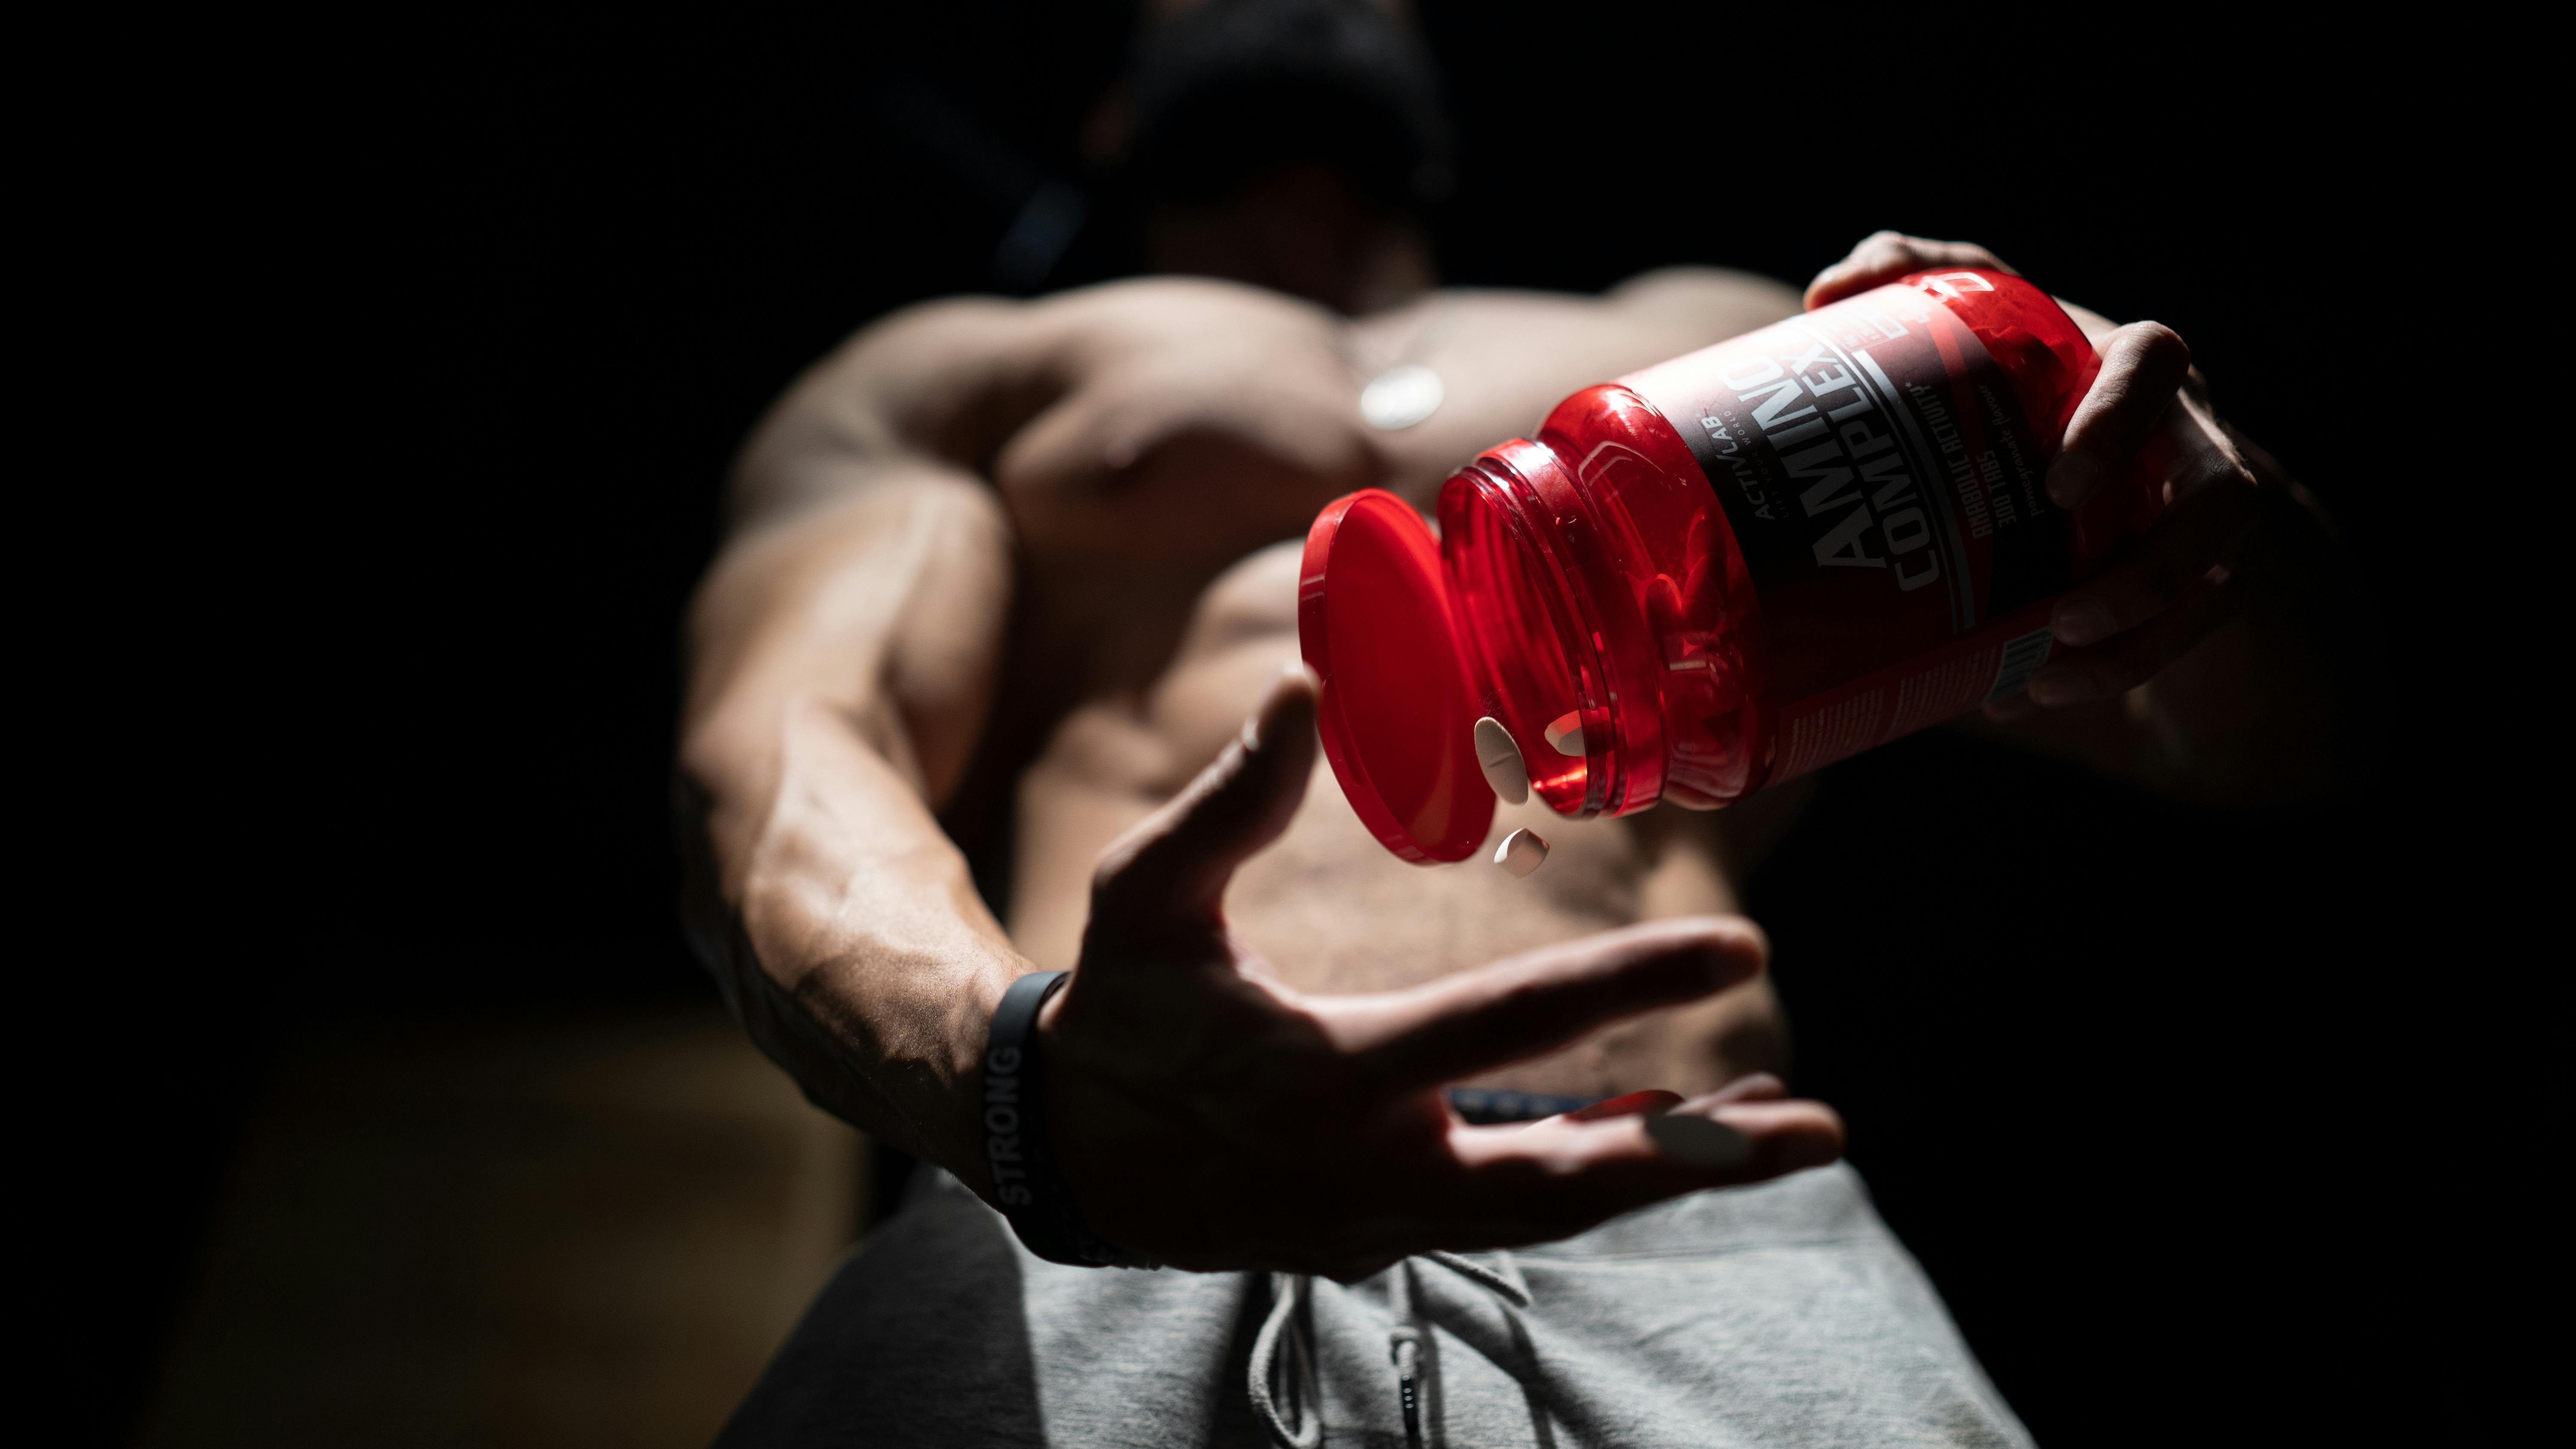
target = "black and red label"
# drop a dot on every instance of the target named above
(1885, 489)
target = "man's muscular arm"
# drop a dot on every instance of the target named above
(845, 648)
(842, 660)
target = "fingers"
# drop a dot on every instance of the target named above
(2012, 707)
(2134, 657)
(2142, 366)
(2203, 529)
(1563, 1175)
(1512, 1010)
(1172, 868)
(2172, 591)
(1884, 256)
(1751, 1087)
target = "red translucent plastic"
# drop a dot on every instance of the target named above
(1397, 715)
(1592, 571)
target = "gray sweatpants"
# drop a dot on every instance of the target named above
(1784, 1314)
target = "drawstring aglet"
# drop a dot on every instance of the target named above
(1408, 1353)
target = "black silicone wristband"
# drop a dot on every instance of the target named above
(1026, 1183)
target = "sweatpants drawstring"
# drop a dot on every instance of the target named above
(1404, 1344)
(1301, 1426)
(1506, 1285)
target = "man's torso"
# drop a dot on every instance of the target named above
(1163, 664)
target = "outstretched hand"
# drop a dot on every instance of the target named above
(2173, 588)
(1210, 1117)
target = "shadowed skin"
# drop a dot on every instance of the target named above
(1088, 508)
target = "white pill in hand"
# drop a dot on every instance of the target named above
(1700, 1141)
(1521, 852)
(1565, 733)
(1500, 755)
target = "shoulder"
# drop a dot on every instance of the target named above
(898, 383)
(1729, 301)
(988, 355)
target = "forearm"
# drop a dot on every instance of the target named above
(850, 942)
(840, 667)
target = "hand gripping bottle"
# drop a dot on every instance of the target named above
(1719, 573)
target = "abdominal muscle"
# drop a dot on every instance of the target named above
(1327, 907)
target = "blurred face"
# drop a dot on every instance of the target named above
(1302, 229)
(1310, 228)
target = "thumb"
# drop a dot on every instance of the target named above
(1172, 869)
(1884, 256)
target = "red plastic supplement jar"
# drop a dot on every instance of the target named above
(1729, 569)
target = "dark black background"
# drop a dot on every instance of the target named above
(2116, 1070)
